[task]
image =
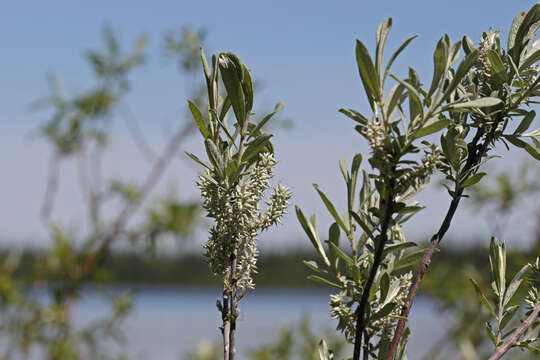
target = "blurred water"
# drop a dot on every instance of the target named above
(168, 322)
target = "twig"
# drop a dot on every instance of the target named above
(130, 207)
(52, 187)
(137, 135)
(475, 155)
(500, 351)
(361, 310)
(226, 329)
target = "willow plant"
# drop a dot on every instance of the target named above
(234, 183)
(471, 102)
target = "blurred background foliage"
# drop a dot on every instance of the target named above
(40, 288)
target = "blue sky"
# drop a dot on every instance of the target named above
(302, 51)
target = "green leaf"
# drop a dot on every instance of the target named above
(386, 310)
(527, 26)
(331, 208)
(384, 286)
(333, 239)
(515, 284)
(440, 61)
(473, 180)
(206, 68)
(369, 77)
(532, 133)
(382, 34)
(196, 159)
(522, 144)
(507, 316)
(314, 266)
(233, 84)
(414, 96)
(256, 146)
(357, 160)
(491, 334)
(265, 119)
(215, 156)
(311, 232)
(483, 298)
(324, 281)
(199, 119)
(462, 70)
(396, 54)
(431, 128)
(247, 88)
(395, 97)
(518, 19)
(399, 247)
(363, 225)
(498, 70)
(341, 254)
(531, 59)
(525, 123)
(482, 102)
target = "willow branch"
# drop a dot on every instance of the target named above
(475, 154)
(517, 334)
(130, 207)
(361, 310)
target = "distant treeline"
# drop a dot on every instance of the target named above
(282, 269)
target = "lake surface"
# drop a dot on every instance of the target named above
(166, 323)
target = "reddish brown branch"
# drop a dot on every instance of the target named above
(501, 350)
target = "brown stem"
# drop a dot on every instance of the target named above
(501, 350)
(475, 154)
(366, 346)
(361, 310)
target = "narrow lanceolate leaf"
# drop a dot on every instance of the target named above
(368, 74)
(265, 119)
(473, 180)
(344, 170)
(314, 266)
(247, 88)
(399, 247)
(324, 281)
(199, 119)
(498, 70)
(395, 97)
(197, 160)
(363, 225)
(525, 123)
(414, 96)
(256, 146)
(341, 254)
(515, 284)
(491, 335)
(396, 54)
(333, 239)
(532, 58)
(382, 34)
(233, 83)
(528, 23)
(312, 234)
(432, 128)
(514, 140)
(357, 160)
(483, 298)
(206, 68)
(532, 133)
(478, 103)
(461, 71)
(514, 28)
(215, 156)
(331, 208)
(440, 60)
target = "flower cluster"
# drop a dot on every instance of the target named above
(239, 219)
(414, 179)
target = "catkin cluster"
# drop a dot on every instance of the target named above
(236, 209)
